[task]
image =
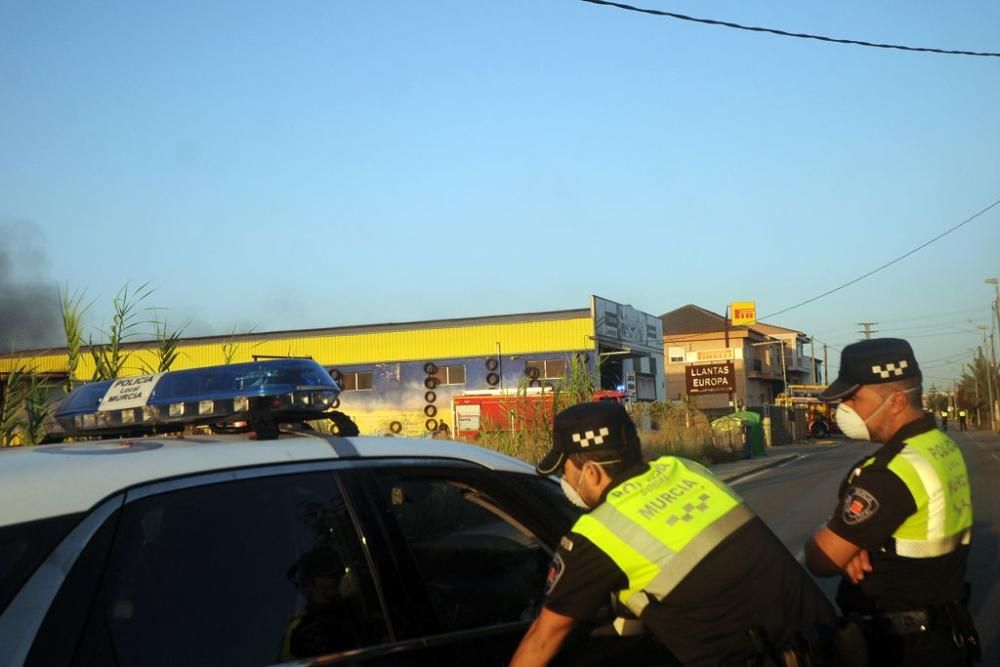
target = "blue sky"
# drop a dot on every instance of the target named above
(319, 164)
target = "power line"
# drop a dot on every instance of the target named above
(921, 318)
(924, 327)
(783, 33)
(884, 266)
(977, 309)
(952, 358)
(943, 333)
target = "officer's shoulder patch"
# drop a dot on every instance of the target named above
(566, 543)
(859, 506)
(556, 570)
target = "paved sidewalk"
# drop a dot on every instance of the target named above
(774, 456)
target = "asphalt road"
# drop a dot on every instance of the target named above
(799, 495)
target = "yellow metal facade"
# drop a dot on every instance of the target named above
(375, 345)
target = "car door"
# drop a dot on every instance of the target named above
(246, 567)
(468, 569)
(472, 549)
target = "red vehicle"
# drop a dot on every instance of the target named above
(820, 416)
(495, 410)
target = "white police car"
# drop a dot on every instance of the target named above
(288, 546)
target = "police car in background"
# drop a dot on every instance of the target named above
(153, 544)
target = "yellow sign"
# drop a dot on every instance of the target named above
(714, 355)
(744, 312)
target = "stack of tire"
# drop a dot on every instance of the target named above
(430, 410)
(492, 373)
(532, 373)
(337, 377)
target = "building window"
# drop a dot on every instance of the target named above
(545, 369)
(359, 381)
(450, 374)
(652, 365)
(676, 355)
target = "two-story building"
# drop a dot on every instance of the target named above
(718, 365)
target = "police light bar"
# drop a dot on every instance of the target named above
(276, 390)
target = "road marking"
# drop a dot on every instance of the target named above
(751, 476)
(792, 459)
(797, 457)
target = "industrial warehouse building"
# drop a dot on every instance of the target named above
(402, 377)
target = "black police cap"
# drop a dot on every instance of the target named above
(873, 361)
(589, 428)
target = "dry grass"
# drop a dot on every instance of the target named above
(679, 431)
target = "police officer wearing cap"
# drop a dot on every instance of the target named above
(679, 549)
(901, 530)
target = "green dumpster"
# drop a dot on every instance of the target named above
(741, 433)
(756, 424)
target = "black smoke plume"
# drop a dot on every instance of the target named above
(29, 305)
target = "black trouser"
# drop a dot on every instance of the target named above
(934, 647)
(941, 635)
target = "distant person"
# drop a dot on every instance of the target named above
(901, 530)
(679, 548)
(944, 420)
(962, 425)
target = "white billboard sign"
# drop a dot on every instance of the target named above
(622, 325)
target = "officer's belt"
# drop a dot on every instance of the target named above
(914, 621)
(932, 548)
(901, 623)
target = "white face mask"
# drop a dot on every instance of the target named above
(572, 494)
(851, 423)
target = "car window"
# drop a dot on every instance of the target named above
(548, 491)
(23, 546)
(479, 565)
(248, 572)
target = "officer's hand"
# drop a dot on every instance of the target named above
(858, 566)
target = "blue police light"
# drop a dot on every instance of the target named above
(276, 390)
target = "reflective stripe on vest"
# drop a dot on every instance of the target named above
(933, 469)
(659, 525)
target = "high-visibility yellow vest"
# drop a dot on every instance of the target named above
(659, 525)
(933, 469)
(286, 642)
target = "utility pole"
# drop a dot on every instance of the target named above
(868, 329)
(826, 365)
(812, 360)
(994, 409)
(989, 380)
(996, 302)
(975, 385)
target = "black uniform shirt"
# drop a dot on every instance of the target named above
(873, 503)
(749, 580)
